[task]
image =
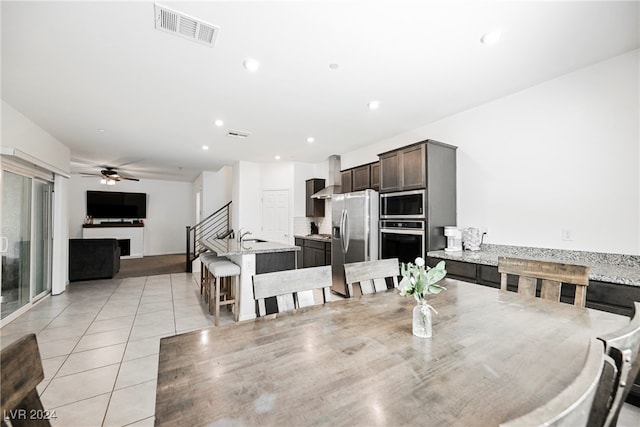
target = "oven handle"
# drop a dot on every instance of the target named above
(399, 231)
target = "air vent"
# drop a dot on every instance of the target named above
(238, 134)
(185, 26)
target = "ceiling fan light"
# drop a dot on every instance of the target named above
(111, 182)
(103, 181)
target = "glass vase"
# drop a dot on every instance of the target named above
(422, 320)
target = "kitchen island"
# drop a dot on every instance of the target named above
(254, 256)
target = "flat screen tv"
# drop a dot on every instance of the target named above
(113, 204)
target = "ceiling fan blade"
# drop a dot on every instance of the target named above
(129, 179)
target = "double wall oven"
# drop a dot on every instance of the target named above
(402, 229)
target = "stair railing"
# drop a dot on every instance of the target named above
(217, 225)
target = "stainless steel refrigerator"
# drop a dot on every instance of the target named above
(354, 233)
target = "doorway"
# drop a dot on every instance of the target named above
(275, 216)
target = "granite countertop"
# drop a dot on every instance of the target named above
(318, 237)
(604, 267)
(227, 247)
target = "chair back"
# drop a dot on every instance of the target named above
(573, 405)
(552, 275)
(20, 372)
(371, 275)
(292, 288)
(623, 346)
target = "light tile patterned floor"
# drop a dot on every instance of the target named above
(99, 343)
(100, 340)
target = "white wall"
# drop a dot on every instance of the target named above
(217, 190)
(21, 133)
(247, 209)
(560, 155)
(250, 179)
(170, 209)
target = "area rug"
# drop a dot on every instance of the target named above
(151, 266)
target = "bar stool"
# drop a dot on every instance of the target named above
(220, 269)
(205, 258)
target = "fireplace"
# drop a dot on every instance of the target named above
(125, 247)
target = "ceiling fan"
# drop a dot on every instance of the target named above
(110, 176)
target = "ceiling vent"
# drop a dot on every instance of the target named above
(238, 134)
(184, 26)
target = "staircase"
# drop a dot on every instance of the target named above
(216, 225)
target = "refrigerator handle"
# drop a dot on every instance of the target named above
(342, 230)
(345, 231)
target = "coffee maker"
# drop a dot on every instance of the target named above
(454, 238)
(314, 228)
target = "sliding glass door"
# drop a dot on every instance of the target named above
(16, 242)
(42, 237)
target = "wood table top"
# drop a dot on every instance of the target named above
(494, 356)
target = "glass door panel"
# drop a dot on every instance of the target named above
(16, 242)
(42, 238)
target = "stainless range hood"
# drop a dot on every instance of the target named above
(333, 183)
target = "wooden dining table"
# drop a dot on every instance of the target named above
(494, 355)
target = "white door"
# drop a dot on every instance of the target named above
(275, 215)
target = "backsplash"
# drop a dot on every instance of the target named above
(302, 224)
(565, 255)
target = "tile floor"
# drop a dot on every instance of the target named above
(99, 343)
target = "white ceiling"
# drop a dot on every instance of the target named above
(76, 67)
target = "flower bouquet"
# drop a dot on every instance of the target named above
(420, 281)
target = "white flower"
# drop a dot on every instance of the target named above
(420, 262)
(404, 286)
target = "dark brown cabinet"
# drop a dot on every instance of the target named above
(404, 169)
(375, 176)
(314, 253)
(314, 207)
(346, 182)
(361, 178)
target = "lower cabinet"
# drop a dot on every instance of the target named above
(314, 253)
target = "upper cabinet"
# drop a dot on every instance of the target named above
(314, 207)
(345, 181)
(361, 178)
(403, 169)
(375, 176)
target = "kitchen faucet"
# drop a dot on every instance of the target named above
(241, 234)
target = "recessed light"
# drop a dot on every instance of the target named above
(100, 130)
(219, 123)
(334, 66)
(205, 147)
(491, 37)
(251, 64)
(310, 140)
(277, 157)
(373, 105)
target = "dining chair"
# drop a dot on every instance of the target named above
(20, 372)
(552, 275)
(371, 275)
(573, 405)
(623, 346)
(292, 288)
